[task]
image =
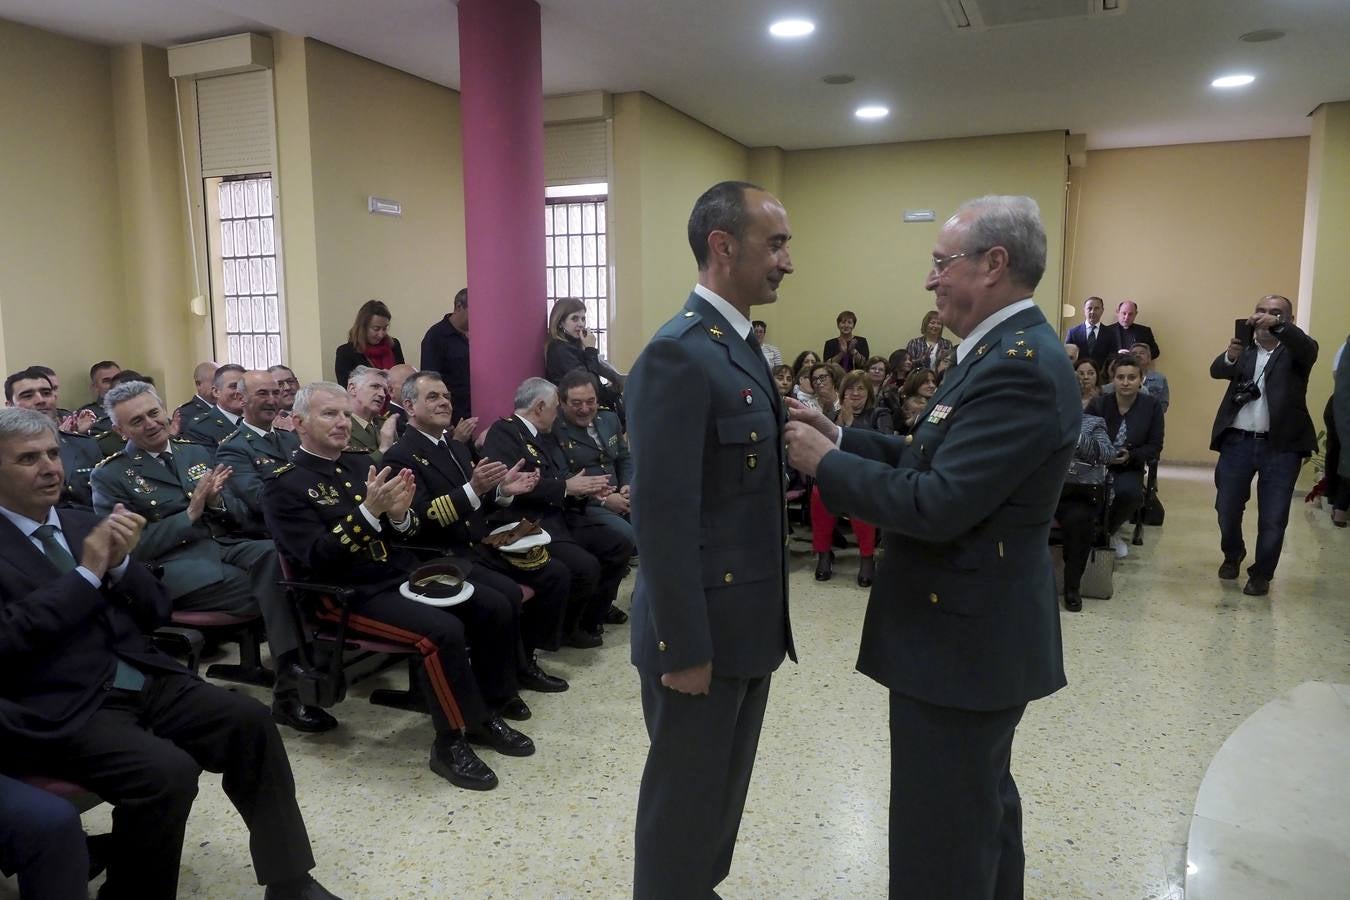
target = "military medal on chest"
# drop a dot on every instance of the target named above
(324, 494)
(195, 472)
(138, 482)
(748, 396)
(940, 412)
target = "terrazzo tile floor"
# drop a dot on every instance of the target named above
(1108, 768)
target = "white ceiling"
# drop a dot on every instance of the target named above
(1137, 79)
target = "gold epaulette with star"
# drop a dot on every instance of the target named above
(182, 440)
(280, 470)
(1020, 350)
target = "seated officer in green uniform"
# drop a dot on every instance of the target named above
(192, 530)
(594, 443)
(372, 431)
(31, 389)
(256, 450)
(453, 497)
(203, 383)
(219, 422)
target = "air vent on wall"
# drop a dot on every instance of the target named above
(981, 15)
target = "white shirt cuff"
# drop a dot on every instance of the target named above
(473, 497)
(373, 519)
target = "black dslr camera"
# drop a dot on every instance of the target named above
(1245, 392)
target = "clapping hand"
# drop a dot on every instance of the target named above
(207, 491)
(487, 475)
(388, 433)
(388, 494)
(284, 421)
(125, 527)
(517, 482)
(464, 430)
(582, 485)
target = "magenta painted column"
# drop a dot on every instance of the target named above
(502, 111)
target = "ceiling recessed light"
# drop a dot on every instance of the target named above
(872, 112)
(1232, 81)
(792, 28)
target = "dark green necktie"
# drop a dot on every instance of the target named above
(127, 677)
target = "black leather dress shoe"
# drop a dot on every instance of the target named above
(1073, 600)
(1256, 587)
(824, 566)
(583, 639)
(516, 710)
(288, 710)
(1229, 570)
(454, 760)
(302, 889)
(533, 678)
(867, 570)
(495, 733)
(615, 616)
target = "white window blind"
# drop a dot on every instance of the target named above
(576, 152)
(236, 124)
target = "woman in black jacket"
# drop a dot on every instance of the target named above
(1134, 421)
(368, 343)
(571, 346)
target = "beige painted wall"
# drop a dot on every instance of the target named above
(376, 131)
(1195, 234)
(155, 252)
(851, 250)
(663, 160)
(1324, 289)
(62, 291)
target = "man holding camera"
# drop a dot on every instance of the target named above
(1262, 428)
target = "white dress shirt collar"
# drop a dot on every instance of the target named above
(435, 439)
(534, 432)
(258, 431)
(733, 315)
(229, 416)
(27, 525)
(964, 348)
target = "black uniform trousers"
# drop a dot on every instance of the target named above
(956, 816)
(142, 751)
(464, 689)
(541, 618)
(597, 557)
(694, 784)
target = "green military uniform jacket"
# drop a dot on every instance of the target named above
(609, 457)
(366, 438)
(964, 612)
(209, 428)
(187, 550)
(255, 459)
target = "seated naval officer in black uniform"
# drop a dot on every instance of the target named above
(197, 532)
(31, 389)
(452, 496)
(257, 449)
(86, 698)
(597, 556)
(335, 518)
(204, 398)
(219, 422)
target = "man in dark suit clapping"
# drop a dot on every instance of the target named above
(963, 625)
(86, 698)
(710, 615)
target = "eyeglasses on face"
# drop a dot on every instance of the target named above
(942, 263)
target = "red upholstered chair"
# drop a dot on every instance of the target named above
(337, 657)
(246, 631)
(82, 798)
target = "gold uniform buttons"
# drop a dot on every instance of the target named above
(346, 484)
(661, 645)
(909, 439)
(932, 598)
(754, 435)
(728, 578)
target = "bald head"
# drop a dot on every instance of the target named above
(398, 376)
(203, 380)
(262, 398)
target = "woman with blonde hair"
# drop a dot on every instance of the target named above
(925, 349)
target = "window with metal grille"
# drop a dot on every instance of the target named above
(249, 282)
(577, 256)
